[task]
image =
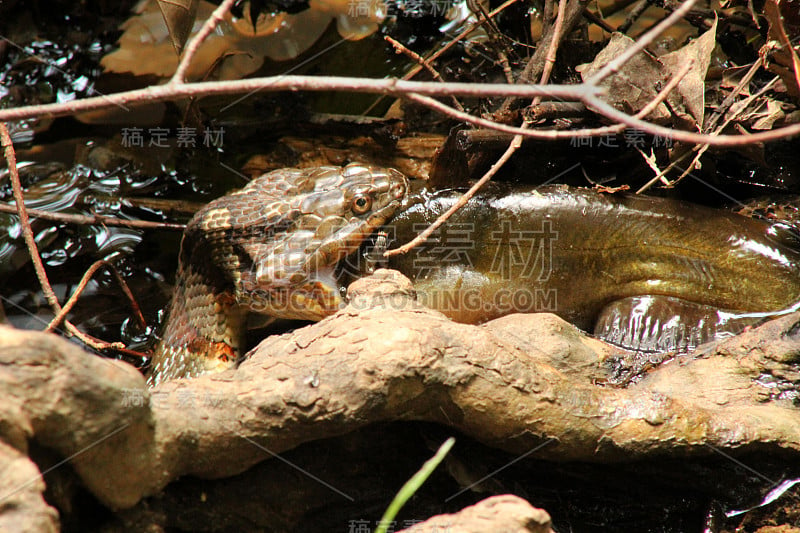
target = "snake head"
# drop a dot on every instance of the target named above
(271, 248)
(279, 240)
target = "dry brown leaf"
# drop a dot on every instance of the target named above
(179, 16)
(732, 76)
(692, 86)
(638, 81)
(234, 48)
(764, 119)
(635, 84)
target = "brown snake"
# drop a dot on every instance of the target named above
(270, 248)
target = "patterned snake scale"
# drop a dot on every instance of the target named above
(270, 248)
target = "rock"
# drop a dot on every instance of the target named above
(506, 513)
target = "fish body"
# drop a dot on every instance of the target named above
(644, 272)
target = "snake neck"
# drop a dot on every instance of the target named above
(204, 330)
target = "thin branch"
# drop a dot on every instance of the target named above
(710, 125)
(701, 149)
(391, 86)
(400, 48)
(588, 93)
(552, 50)
(194, 43)
(595, 19)
(30, 241)
(641, 43)
(483, 135)
(27, 232)
(574, 13)
(513, 146)
(461, 202)
(660, 174)
(746, 79)
(555, 134)
(634, 14)
(97, 265)
(97, 220)
(410, 90)
(687, 136)
(455, 40)
(552, 110)
(622, 120)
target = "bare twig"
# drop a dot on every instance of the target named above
(394, 87)
(415, 91)
(461, 202)
(687, 136)
(400, 48)
(566, 109)
(728, 101)
(622, 120)
(574, 12)
(97, 265)
(634, 14)
(650, 160)
(194, 43)
(547, 110)
(589, 93)
(512, 147)
(641, 43)
(455, 40)
(100, 220)
(554, 134)
(552, 50)
(709, 127)
(595, 19)
(701, 149)
(30, 241)
(496, 36)
(22, 212)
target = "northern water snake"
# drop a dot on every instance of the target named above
(643, 272)
(270, 248)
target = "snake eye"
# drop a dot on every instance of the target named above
(361, 204)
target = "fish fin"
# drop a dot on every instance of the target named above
(665, 324)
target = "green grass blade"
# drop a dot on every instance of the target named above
(412, 485)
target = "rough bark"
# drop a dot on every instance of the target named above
(516, 383)
(75, 404)
(22, 507)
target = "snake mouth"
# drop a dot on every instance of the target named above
(415, 191)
